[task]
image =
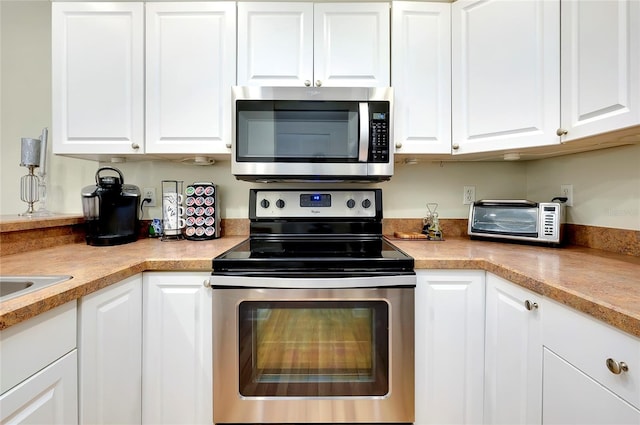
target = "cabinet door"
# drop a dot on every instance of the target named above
(571, 397)
(505, 74)
(48, 397)
(421, 76)
(97, 67)
(110, 340)
(513, 354)
(352, 44)
(190, 68)
(449, 347)
(275, 44)
(600, 47)
(177, 384)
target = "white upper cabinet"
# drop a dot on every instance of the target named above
(421, 76)
(600, 66)
(351, 44)
(103, 83)
(307, 44)
(505, 74)
(269, 57)
(97, 78)
(190, 68)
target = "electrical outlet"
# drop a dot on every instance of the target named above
(469, 195)
(149, 193)
(566, 190)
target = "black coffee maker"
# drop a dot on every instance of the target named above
(111, 210)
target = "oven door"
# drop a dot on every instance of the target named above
(313, 350)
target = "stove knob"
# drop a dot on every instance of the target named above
(264, 203)
(351, 203)
(366, 203)
(280, 203)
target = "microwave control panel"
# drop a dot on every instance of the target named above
(379, 131)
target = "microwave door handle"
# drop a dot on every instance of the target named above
(363, 152)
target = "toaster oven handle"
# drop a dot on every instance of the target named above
(365, 125)
(506, 203)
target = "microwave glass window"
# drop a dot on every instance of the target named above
(505, 220)
(313, 348)
(287, 131)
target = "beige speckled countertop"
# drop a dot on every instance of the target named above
(604, 285)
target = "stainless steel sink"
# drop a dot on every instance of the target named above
(14, 286)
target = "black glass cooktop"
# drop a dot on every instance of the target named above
(313, 256)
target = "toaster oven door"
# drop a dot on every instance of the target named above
(509, 219)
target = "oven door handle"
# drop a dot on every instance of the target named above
(282, 282)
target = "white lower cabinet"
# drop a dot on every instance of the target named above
(513, 354)
(49, 397)
(449, 346)
(585, 381)
(110, 354)
(39, 369)
(177, 383)
(573, 397)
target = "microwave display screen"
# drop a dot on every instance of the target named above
(282, 131)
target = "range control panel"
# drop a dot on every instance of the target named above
(322, 203)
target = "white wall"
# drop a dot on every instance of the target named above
(405, 196)
(606, 183)
(25, 86)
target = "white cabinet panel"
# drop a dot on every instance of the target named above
(600, 66)
(449, 347)
(513, 354)
(275, 43)
(49, 397)
(505, 74)
(177, 349)
(589, 348)
(98, 77)
(351, 44)
(190, 68)
(110, 359)
(313, 44)
(421, 76)
(571, 397)
(31, 345)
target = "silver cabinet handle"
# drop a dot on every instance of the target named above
(307, 83)
(206, 283)
(135, 146)
(455, 146)
(228, 145)
(530, 305)
(398, 145)
(616, 367)
(561, 132)
(318, 83)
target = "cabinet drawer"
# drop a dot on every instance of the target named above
(587, 343)
(29, 346)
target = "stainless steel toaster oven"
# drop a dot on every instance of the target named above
(517, 220)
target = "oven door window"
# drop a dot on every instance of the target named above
(301, 131)
(314, 348)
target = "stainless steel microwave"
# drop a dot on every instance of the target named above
(517, 220)
(312, 133)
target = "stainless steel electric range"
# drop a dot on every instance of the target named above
(313, 314)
